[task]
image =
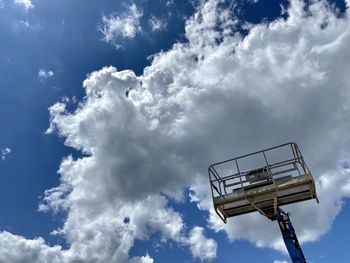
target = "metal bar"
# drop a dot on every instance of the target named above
(222, 217)
(283, 165)
(246, 155)
(228, 177)
(214, 172)
(257, 208)
(217, 174)
(219, 181)
(303, 165)
(282, 162)
(234, 176)
(296, 167)
(293, 150)
(216, 189)
(296, 147)
(275, 206)
(300, 158)
(225, 178)
(239, 173)
(283, 171)
(267, 163)
(233, 184)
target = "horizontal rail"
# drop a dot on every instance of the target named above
(261, 151)
(284, 171)
(237, 175)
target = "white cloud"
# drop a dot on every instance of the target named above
(201, 247)
(278, 65)
(44, 74)
(157, 24)
(20, 250)
(26, 4)
(280, 261)
(4, 153)
(115, 28)
(218, 95)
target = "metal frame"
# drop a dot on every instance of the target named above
(268, 174)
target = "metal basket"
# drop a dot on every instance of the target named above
(261, 181)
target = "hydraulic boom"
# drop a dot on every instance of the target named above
(263, 181)
(289, 237)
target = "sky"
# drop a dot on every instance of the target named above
(112, 111)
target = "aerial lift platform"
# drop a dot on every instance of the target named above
(263, 181)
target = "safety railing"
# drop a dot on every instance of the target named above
(256, 169)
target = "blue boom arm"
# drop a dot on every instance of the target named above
(289, 237)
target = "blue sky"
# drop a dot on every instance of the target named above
(205, 80)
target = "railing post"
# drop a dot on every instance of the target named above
(239, 173)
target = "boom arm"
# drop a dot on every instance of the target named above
(289, 237)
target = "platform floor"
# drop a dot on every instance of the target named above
(265, 197)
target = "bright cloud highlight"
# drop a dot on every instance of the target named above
(26, 4)
(203, 248)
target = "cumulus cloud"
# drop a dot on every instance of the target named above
(20, 250)
(4, 153)
(305, 96)
(115, 27)
(217, 95)
(26, 4)
(119, 202)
